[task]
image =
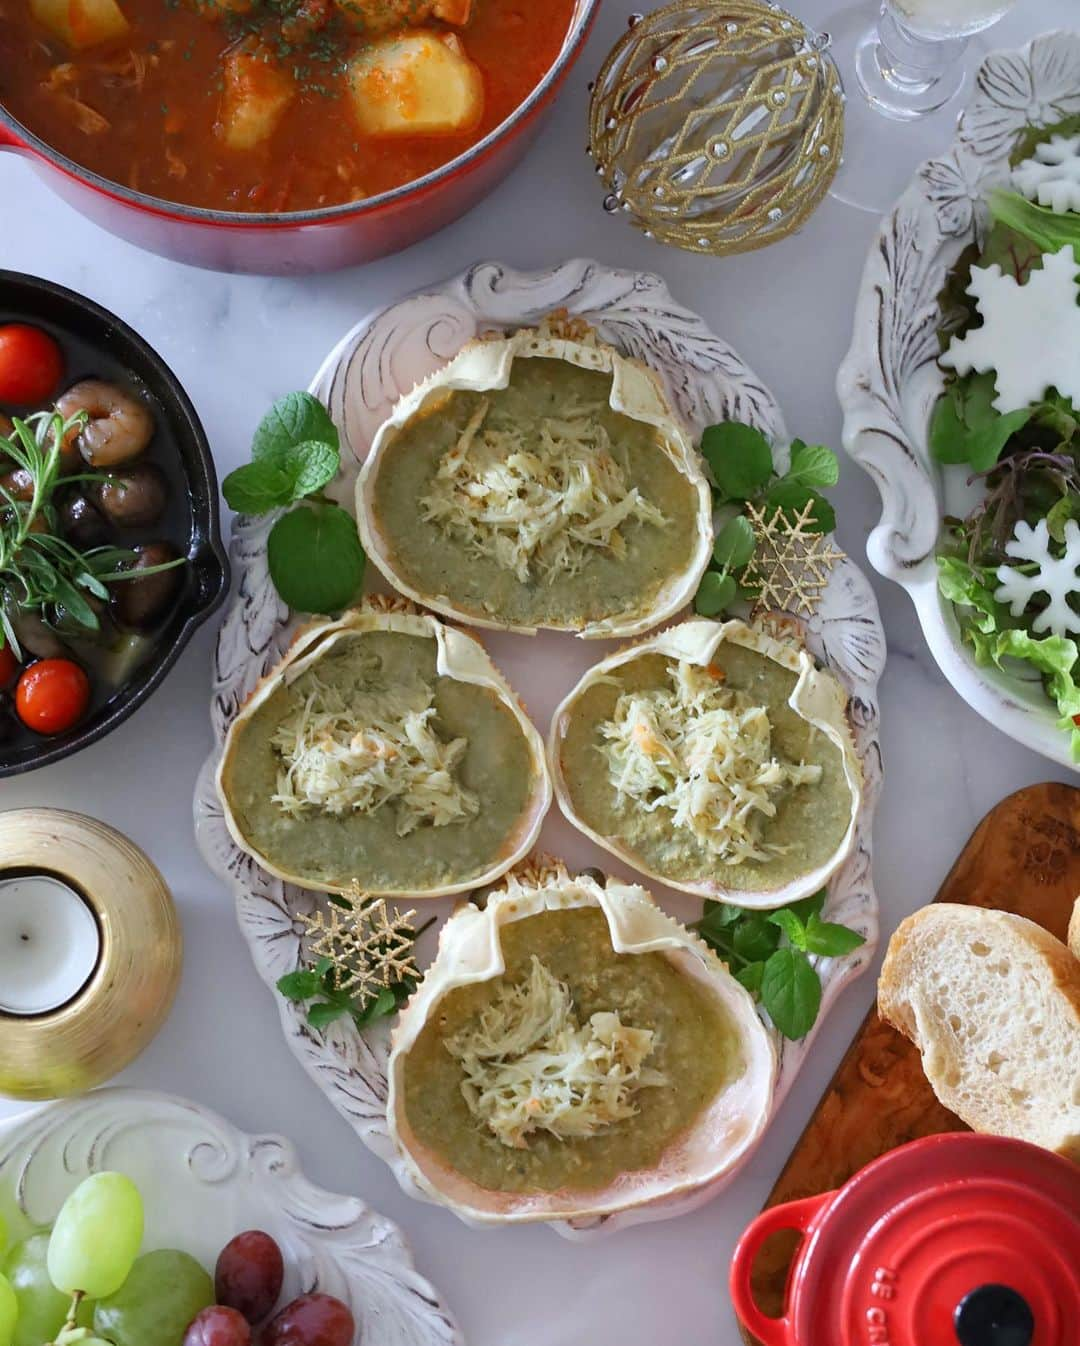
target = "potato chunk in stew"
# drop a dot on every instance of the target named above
(257, 92)
(421, 83)
(81, 23)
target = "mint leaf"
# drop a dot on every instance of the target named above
(257, 488)
(296, 418)
(323, 966)
(812, 465)
(739, 458)
(755, 937)
(378, 1007)
(715, 593)
(323, 1013)
(830, 939)
(315, 558)
(792, 497)
(791, 992)
(281, 476)
(721, 913)
(790, 924)
(809, 906)
(750, 976)
(300, 985)
(735, 543)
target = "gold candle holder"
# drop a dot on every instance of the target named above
(133, 968)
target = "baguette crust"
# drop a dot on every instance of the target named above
(992, 1001)
(1074, 930)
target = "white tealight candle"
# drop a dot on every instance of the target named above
(49, 944)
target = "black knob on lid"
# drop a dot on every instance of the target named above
(994, 1315)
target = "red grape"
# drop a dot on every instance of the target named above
(218, 1326)
(249, 1274)
(311, 1320)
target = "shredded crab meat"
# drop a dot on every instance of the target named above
(704, 752)
(358, 754)
(529, 1065)
(538, 504)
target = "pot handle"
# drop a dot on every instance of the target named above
(797, 1215)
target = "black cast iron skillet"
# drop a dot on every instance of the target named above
(97, 344)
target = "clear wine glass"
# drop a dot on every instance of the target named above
(909, 66)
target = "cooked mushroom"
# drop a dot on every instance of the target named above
(133, 497)
(82, 522)
(139, 604)
(18, 483)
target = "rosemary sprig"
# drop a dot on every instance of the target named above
(40, 571)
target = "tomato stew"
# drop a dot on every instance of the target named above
(271, 105)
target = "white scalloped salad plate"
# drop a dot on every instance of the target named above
(202, 1181)
(379, 360)
(890, 379)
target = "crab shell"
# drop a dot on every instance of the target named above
(470, 951)
(636, 392)
(817, 697)
(458, 655)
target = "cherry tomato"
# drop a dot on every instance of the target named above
(8, 665)
(31, 365)
(52, 695)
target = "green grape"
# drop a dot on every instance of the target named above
(9, 1312)
(164, 1292)
(43, 1310)
(96, 1236)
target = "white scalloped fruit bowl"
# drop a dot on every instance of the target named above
(890, 379)
(375, 363)
(202, 1181)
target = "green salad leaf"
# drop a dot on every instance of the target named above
(769, 953)
(1049, 231)
(966, 428)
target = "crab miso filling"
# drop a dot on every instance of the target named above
(575, 1066)
(371, 765)
(703, 752)
(706, 772)
(537, 503)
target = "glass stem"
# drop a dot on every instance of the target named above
(904, 75)
(913, 63)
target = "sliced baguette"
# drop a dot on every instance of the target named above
(992, 1001)
(1074, 930)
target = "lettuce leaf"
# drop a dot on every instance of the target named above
(1055, 658)
(1048, 231)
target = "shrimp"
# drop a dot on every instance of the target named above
(120, 426)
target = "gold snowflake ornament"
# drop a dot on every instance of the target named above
(369, 946)
(791, 564)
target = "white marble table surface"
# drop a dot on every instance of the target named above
(236, 343)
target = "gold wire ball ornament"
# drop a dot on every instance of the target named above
(368, 946)
(717, 127)
(789, 570)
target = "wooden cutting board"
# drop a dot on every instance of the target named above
(1024, 857)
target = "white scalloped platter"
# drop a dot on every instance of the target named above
(202, 1181)
(890, 379)
(379, 360)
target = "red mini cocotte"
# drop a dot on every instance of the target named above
(953, 1240)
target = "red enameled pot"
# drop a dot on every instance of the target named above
(954, 1240)
(313, 240)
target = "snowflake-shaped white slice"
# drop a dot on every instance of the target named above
(1052, 176)
(1055, 578)
(1030, 336)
